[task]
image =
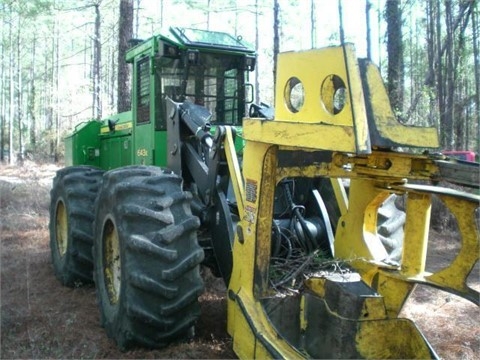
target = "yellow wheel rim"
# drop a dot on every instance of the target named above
(112, 261)
(61, 228)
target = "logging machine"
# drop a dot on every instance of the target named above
(294, 208)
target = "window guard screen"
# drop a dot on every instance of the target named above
(143, 91)
(214, 82)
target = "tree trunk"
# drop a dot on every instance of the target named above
(12, 91)
(276, 38)
(32, 100)
(208, 14)
(467, 119)
(2, 116)
(97, 58)
(56, 79)
(137, 21)
(161, 15)
(460, 98)
(368, 6)
(411, 42)
(380, 39)
(3, 92)
(430, 80)
(476, 56)
(46, 94)
(395, 75)
(19, 96)
(257, 46)
(449, 78)
(125, 31)
(436, 50)
(313, 35)
(340, 18)
(86, 47)
(440, 88)
(111, 86)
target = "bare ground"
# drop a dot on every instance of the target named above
(42, 319)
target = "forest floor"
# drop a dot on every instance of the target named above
(42, 319)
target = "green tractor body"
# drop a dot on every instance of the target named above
(139, 184)
(207, 68)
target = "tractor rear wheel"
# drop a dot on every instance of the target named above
(71, 216)
(147, 257)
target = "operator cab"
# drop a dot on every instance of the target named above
(207, 68)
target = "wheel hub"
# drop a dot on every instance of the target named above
(61, 228)
(112, 261)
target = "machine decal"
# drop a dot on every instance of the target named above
(142, 152)
(251, 190)
(124, 126)
(250, 212)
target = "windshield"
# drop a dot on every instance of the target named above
(215, 81)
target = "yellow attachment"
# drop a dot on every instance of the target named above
(319, 93)
(385, 130)
(254, 337)
(376, 336)
(356, 239)
(312, 101)
(356, 234)
(416, 231)
(341, 105)
(254, 334)
(452, 278)
(332, 114)
(391, 339)
(340, 195)
(234, 167)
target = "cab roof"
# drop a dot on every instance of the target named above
(210, 39)
(186, 38)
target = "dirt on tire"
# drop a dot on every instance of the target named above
(40, 318)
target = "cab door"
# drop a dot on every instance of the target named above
(143, 111)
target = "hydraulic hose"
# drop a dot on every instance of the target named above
(303, 233)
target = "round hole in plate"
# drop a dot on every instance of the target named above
(294, 94)
(333, 94)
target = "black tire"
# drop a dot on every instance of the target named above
(390, 220)
(147, 257)
(72, 200)
(390, 223)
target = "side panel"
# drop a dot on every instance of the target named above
(116, 152)
(160, 156)
(116, 141)
(82, 146)
(143, 150)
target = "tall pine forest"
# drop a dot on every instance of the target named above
(62, 60)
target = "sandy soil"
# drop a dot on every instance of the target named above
(42, 319)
